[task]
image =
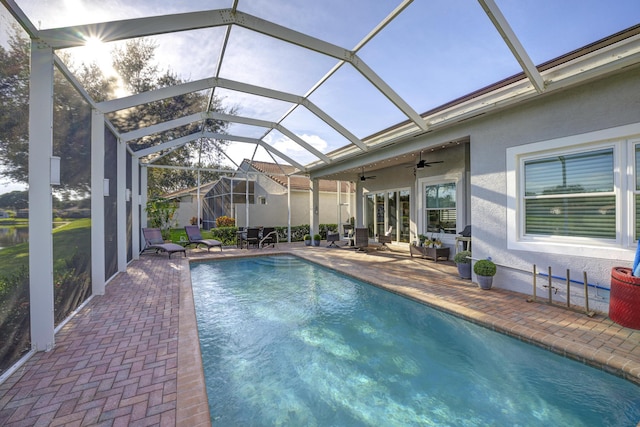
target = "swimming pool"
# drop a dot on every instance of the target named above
(286, 342)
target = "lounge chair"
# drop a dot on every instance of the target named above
(195, 238)
(269, 237)
(153, 241)
(362, 238)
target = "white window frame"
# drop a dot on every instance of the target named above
(623, 139)
(458, 180)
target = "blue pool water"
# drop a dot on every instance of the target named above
(288, 343)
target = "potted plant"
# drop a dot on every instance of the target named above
(463, 262)
(422, 238)
(316, 239)
(485, 269)
(307, 240)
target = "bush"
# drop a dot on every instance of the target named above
(307, 237)
(225, 221)
(484, 267)
(317, 237)
(462, 257)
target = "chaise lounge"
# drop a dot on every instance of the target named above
(153, 241)
(195, 238)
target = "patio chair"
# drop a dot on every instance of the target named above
(333, 237)
(153, 241)
(347, 230)
(362, 238)
(195, 238)
(269, 237)
(252, 237)
(385, 238)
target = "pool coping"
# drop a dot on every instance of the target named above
(192, 402)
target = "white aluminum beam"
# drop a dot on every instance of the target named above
(386, 90)
(119, 30)
(225, 137)
(271, 125)
(161, 127)
(21, 17)
(502, 25)
(155, 95)
(168, 144)
(77, 35)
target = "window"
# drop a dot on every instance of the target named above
(262, 200)
(571, 195)
(576, 195)
(440, 208)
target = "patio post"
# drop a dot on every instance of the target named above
(40, 200)
(97, 203)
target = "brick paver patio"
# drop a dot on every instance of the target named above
(131, 357)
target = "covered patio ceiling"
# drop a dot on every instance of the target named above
(329, 87)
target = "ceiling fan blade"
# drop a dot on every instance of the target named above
(423, 163)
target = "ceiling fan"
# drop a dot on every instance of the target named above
(424, 164)
(364, 178)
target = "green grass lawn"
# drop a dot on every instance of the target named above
(70, 237)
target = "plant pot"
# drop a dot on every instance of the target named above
(485, 282)
(307, 242)
(316, 243)
(624, 298)
(464, 270)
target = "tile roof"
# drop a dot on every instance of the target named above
(276, 172)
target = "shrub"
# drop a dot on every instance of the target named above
(462, 257)
(225, 221)
(307, 237)
(484, 267)
(317, 237)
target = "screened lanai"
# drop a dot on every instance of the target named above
(338, 91)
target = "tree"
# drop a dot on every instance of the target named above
(14, 200)
(135, 64)
(14, 106)
(72, 116)
(160, 213)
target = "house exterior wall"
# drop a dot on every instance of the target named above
(598, 105)
(274, 212)
(454, 166)
(187, 209)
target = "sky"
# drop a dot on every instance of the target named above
(433, 52)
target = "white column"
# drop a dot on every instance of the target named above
(246, 201)
(288, 208)
(359, 205)
(41, 211)
(315, 206)
(122, 205)
(97, 203)
(144, 196)
(135, 207)
(199, 208)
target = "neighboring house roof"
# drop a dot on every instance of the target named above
(193, 191)
(277, 173)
